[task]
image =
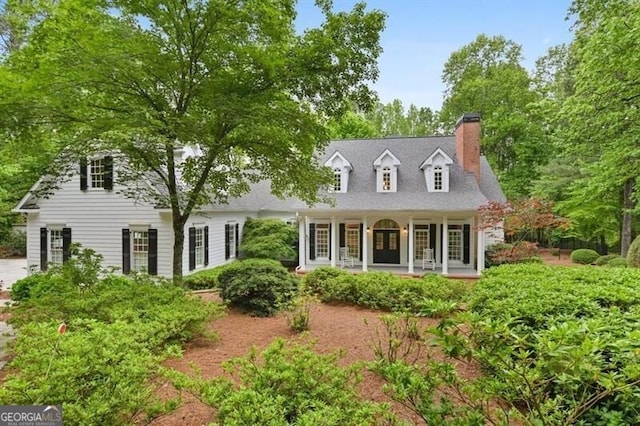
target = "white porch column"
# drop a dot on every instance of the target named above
(480, 251)
(445, 246)
(411, 242)
(365, 244)
(302, 242)
(332, 247)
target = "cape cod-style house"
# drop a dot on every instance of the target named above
(410, 204)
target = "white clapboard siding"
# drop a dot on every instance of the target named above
(96, 218)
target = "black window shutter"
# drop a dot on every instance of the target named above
(126, 251)
(362, 235)
(192, 249)
(83, 173)
(236, 240)
(66, 244)
(108, 172)
(466, 243)
(341, 236)
(206, 245)
(227, 249)
(152, 259)
(312, 241)
(44, 249)
(432, 238)
(330, 243)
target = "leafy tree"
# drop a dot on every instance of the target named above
(231, 80)
(352, 126)
(393, 120)
(486, 75)
(602, 115)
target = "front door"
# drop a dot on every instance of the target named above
(386, 246)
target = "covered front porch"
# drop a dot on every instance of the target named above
(452, 245)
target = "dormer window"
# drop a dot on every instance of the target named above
(436, 171)
(341, 169)
(386, 166)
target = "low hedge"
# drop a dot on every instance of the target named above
(382, 290)
(584, 256)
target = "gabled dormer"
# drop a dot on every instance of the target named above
(436, 171)
(386, 167)
(341, 168)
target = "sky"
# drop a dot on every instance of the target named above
(420, 35)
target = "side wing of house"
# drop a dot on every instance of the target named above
(131, 235)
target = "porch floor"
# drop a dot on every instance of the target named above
(456, 272)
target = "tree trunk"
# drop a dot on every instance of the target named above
(178, 248)
(627, 219)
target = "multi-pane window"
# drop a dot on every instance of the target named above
(231, 238)
(386, 179)
(337, 180)
(97, 173)
(420, 240)
(455, 242)
(437, 178)
(352, 239)
(55, 247)
(199, 247)
(140, 250)
(322, 240)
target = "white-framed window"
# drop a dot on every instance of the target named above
(199, 246)
(322, 240)
(96, 173)
(352, 239)
(56, 246)
(455, 243)
(337, 180)
(386, 179)
(140, 250)
(437, 178)
(420, 240)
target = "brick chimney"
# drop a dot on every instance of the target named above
(468, 143)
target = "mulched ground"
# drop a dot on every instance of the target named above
(333, 327)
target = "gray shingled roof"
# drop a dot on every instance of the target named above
(464, 193)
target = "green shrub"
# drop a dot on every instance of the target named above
(258, 286)
(268, 239)
(633, 255)
(604, 260)
(315, 280)
(558, 340)
(382, 290)
(618, 262)
(207, 279)
(118, 331)
(288, 384)
(584, 256)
